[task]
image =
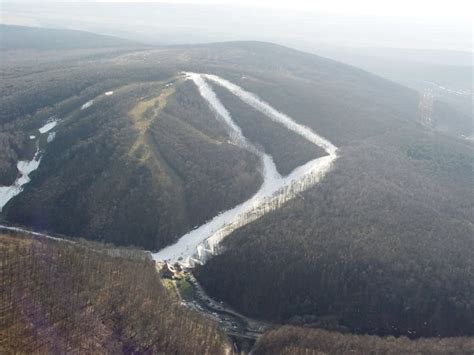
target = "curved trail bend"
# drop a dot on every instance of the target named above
(197, 245)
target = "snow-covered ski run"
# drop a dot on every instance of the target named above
(197, 245)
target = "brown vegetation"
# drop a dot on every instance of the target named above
(11, 150)
(304, 341)
(58, 297)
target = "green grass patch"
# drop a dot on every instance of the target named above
(185, 289)
(168, 285)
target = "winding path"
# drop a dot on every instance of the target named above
(197, 245)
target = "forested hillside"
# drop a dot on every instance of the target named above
(59, 297)
(175, 155)
(302, 341)
(287, 148)
(19, 37)
(139, 167)
(382, 246)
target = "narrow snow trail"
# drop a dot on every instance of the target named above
(208, 94)
(275, 115)
(25, 168)
(197, 245)
(87, 105)
(36, 234)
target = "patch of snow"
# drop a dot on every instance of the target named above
(48, 126)
(108, 93)
(51, 137)
(87, 104)
(25, 168)
(195, 246)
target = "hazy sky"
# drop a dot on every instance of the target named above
(399, 8)
(303, 24)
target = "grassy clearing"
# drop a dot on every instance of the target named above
(178, 288)
(143, 114)
(169, 286)
(192, 131)
(146, 150)
(185, 289)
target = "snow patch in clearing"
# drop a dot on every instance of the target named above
(25, 168)
(48, 126)
(87, 104)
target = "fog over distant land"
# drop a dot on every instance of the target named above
(303, 25)
(426, 45)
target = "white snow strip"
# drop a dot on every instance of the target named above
(108, 93)
(25, 168)
(48, 126)
(198, 244)
(87, 104)
(235, 132)
(275, 115)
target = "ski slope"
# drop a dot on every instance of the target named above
(197, 245)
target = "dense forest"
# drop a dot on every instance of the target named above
(12, 151)
(59, 297)
(287, 148)
(304, 341)
(382, 245)
(20, 37)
